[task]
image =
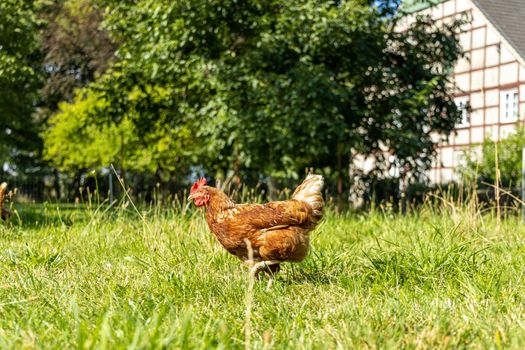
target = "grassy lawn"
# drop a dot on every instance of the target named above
(74, 278)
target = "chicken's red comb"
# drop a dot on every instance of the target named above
(199, 183)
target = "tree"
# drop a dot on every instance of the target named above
(20, 79)
(47, 49)
(76, 48)
(76, 51)
(272, 87)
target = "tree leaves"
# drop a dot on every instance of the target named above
(262, 86)
(20, 79)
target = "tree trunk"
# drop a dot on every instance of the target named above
(56, 184)
(77, 191)
(272, 190)
(339, 170)
(122, 169)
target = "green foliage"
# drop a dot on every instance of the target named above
(47, 48)
(482, 167)
(20, 79)
(76, 48)
(272, 87)
(87, 145)
(75, 142)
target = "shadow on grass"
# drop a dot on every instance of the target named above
(295, 275)
(315, 278)
(47, 214)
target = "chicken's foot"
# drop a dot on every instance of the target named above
(268, 266)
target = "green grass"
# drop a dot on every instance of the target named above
(74, 278)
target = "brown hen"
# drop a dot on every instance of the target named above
(276, 231)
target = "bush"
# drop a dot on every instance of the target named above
(482, 168)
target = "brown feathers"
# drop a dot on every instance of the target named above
(277, 231)
(4, 213)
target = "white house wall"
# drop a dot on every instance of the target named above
(491, 66)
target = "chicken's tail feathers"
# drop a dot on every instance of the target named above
(310, 192)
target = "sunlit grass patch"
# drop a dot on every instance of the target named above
(73, 277)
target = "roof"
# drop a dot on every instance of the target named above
(508, 17)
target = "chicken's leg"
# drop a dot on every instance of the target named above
(271, 266)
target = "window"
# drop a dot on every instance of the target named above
(509, 106)
(463, 105)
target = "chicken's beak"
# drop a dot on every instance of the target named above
(190, 197)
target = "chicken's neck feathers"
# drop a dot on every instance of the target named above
(219, 201)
